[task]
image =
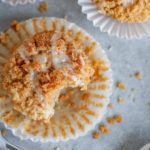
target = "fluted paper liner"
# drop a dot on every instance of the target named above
(111, 26)
(72, 118)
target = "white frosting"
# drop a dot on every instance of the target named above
(82, 60)
(36, 87)
(127, 2)
(59, 59)
(39, 93)
(42, 59)
(32, 75)
(77, 81)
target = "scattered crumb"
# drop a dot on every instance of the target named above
(4, 132)
(15, 25)
(104, 129)
(111, 120)
(120, 100)
(130, 75)
(118, 119)
(96, 135)
(43, 7)
(138, 75)
(121, 86)
(110, 106)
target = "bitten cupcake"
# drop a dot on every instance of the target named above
(55, 80)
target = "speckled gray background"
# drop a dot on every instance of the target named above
(127, 57)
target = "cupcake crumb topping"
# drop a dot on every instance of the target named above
(40, 68)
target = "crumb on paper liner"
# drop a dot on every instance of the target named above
(78, 114)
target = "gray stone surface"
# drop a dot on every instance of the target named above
(127, 57)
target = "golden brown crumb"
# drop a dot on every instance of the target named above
(16, 25)
(139, 11)
(96, 135)
(104, 129)
(138, 75)
(111, 120)
(43, 7)
(110, 106)
(118, 119)
(121, 86)
(120, 100)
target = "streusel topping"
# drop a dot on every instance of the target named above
(137, 11)
(40, 68)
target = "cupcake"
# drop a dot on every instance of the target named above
(55, 80)
(131, 11)
(123, 18)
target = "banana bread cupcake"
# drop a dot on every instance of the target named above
(55, 80)
(131, 11)
(127, 19)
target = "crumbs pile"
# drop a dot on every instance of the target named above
(47, 62)
(139, 11)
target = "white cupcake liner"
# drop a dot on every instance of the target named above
(66, 123)
(21, 2)
(111, 26)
